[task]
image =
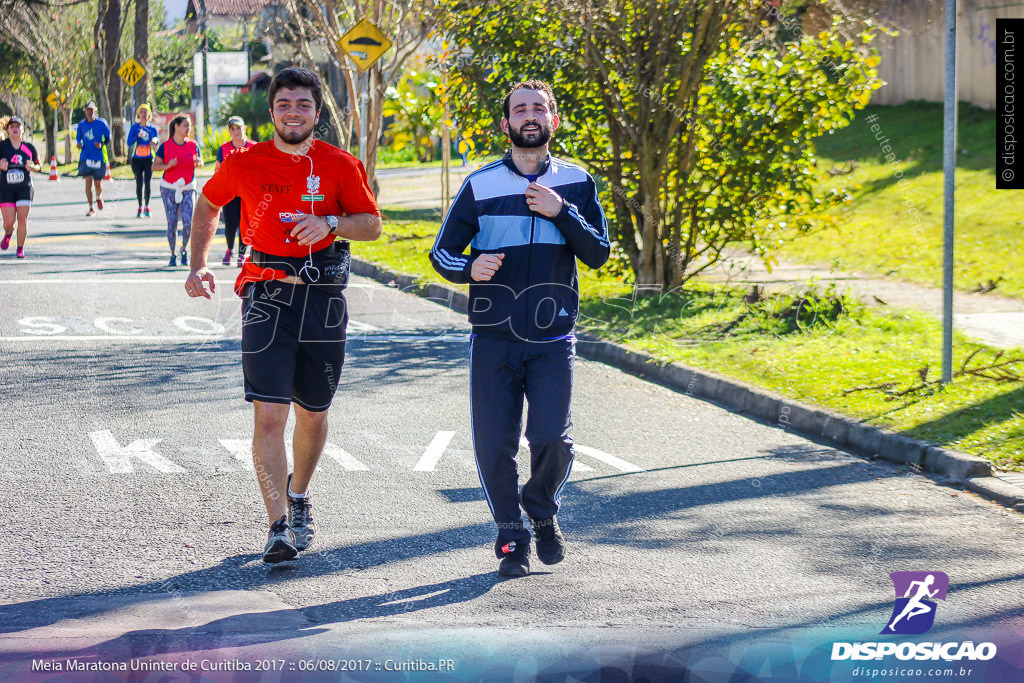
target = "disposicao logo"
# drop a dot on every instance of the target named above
(914, 611)
(913, 614)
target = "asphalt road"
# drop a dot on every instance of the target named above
(133, 525)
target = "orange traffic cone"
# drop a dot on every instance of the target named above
(107, 177)
(53, 169)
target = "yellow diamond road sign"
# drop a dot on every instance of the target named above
(365, 44)
(53, 100)
(131, 72)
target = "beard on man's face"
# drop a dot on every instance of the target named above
(534, 138)
(292, 136)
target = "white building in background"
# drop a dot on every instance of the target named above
(226, 72)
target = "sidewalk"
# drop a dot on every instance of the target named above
(989, 318)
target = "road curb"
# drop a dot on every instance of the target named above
(955, 468)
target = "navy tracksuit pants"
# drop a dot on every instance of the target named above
(502, 373)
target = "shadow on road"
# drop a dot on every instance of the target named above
(595, 516)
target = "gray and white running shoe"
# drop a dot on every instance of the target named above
(280, 543)
(300, 517)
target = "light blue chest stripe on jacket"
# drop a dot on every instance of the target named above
(499, 232)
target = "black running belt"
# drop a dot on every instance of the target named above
(328, 266)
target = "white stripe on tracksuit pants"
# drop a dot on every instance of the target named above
(502, 373)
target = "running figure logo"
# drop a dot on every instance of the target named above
(914, 612)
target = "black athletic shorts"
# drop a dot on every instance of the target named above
(293, 343)
(19, 195)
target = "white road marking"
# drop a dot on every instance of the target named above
(617, 463)
(104, 325)
(344, 458)
(200, 338)
(119, 337)
(118, 458)
(241, 449)
(434, 452)
(42, 325)
(201, 329)
(187, 323)
(577, 464)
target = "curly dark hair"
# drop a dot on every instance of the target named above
(532, 84)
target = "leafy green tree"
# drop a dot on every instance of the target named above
(51, 45)
(698, 117)
(310, 26)
(251, 106)
(416, 108)
(171, 61)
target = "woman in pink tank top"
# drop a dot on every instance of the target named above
(178, 158)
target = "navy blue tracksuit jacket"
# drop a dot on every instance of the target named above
(523, 319)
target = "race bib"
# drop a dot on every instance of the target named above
(142, 150)
(15, 176)
(93, 163)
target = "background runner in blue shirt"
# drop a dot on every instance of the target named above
(92, 134)
(144, 136)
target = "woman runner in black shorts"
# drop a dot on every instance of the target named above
(17, 160)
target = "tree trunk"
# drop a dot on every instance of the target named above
(48, 127)
(112, 49)
(142, 88)
(102, 60)
(374, 117)
(652, 263)
(66, 111)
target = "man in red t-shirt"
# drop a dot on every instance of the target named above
(298, 195)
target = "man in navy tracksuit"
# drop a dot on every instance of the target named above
(526, 218)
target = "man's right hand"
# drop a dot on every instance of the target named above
(195, 284)
(485, 266)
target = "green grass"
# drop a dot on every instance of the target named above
(878, 232)
(813, 353)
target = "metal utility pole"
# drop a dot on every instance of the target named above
(949, 176)
(206, 90)
(364, 97)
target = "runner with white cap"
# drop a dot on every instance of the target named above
(93, 133)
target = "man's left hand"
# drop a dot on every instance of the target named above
(310, 229)
(543, 200)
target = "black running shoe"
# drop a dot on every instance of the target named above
(550, 541)
(300, 518)
(515, 557)
(280, 543)
(184, 257)
(174, 260)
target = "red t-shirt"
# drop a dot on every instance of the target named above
(271, 182)
(186, 153)
(228, 148)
